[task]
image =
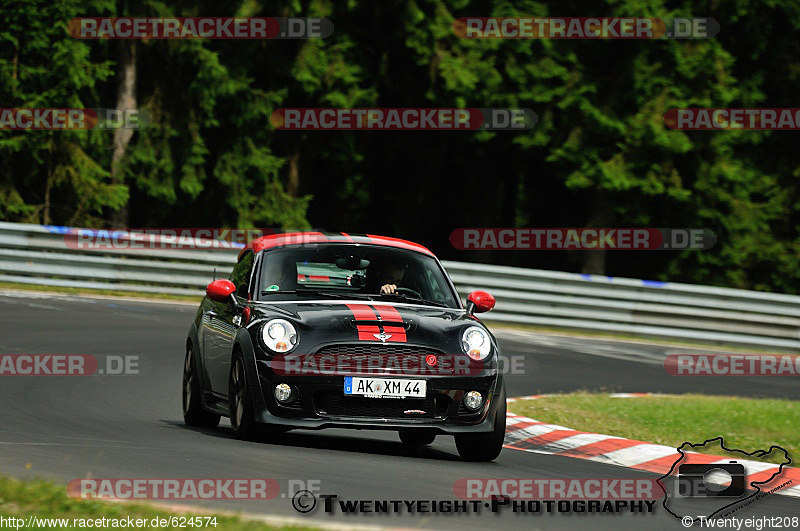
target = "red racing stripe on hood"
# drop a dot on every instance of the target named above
(362, 312)
(391, 315)
(388, 313)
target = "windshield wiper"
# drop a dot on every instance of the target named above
(416, 299)
(316, 293)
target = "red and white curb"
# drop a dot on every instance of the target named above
(528, 435)
(612, 395)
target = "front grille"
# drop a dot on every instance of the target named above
(373, 348)
(353, 358)
(338, 405)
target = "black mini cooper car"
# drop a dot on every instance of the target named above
(316, 330)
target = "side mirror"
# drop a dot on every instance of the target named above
(220, 290)
(479, 302)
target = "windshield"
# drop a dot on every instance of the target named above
(354, 271)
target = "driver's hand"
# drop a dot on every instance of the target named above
(388, 289)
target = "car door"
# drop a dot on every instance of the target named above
(223, 320)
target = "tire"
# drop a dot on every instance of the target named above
(193, 412)
(417, 437)
(240, 403)
(485, 446)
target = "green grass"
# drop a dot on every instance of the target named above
(16, 286)
(745, 423)
(42, 499)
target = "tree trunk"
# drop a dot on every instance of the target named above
(601, 216)
(48, 187)
(126, 100)
(293, 186)
(14, 69)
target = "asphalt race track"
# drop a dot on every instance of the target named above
(130, 426)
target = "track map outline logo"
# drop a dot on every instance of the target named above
(739, 501)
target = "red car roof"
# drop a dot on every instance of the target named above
(299, 238)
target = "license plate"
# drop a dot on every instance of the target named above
(384, 387)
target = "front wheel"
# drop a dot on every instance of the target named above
(485, 446)
(193, 412)
(240, 403)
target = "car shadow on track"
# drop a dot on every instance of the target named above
(321, 441)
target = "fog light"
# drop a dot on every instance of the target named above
(283, 392)
(473, 400)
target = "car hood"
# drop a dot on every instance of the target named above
(321, 323)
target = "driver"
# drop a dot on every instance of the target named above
(385, 278)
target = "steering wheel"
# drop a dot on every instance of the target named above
(408, 291)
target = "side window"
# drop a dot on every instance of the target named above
(241, 274)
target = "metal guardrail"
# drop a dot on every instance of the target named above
(35, 254)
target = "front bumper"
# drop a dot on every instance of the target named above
(320, 403)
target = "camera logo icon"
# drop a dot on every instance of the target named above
(711, 480)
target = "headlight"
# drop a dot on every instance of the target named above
(475, 342)
(279, 335)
